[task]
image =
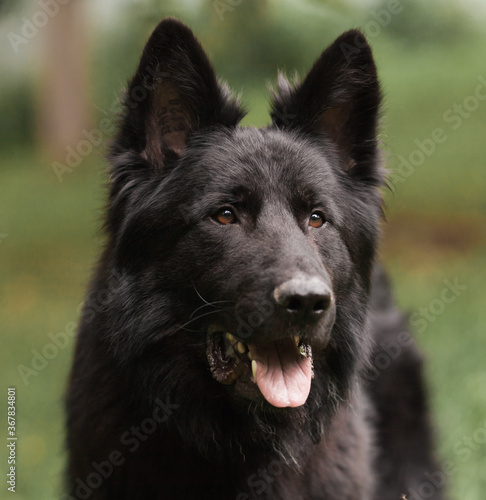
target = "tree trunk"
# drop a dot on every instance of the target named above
(64, 107)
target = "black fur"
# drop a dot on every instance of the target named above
(146, 417)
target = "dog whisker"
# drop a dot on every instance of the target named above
(183, 327)
(211, 304)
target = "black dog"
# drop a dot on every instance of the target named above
(229, 346)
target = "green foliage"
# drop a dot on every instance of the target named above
(17, 117)
(435, 21)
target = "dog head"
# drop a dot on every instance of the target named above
(241, 257)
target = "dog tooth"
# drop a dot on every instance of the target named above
(240, 347)
(254, 369)
(296, 339)
(230, 337)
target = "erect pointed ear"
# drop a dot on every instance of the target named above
(338, 99)
(173, 93)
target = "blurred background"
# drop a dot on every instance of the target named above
(63, 65)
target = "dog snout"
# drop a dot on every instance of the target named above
(303, 298)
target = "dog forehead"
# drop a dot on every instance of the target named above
(261, 158)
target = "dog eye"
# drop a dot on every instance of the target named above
(317, 219)
(225, 216)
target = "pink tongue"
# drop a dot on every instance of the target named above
(283, 375)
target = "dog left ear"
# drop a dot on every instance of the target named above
(339, 99)
(173, 94)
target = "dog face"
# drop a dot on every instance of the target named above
(242, 255)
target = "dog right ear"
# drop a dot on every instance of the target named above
(338, 99)
(173, 94)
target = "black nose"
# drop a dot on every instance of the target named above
(303, 298)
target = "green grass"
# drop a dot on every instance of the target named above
(453, 343)
(53, 240)
(420, 86)
(47, 257)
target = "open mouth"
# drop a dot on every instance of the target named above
(281, 370)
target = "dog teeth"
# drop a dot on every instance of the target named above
(241, 348)
(306, 351)
(235, 344)
(296, 340)
(254, 369)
